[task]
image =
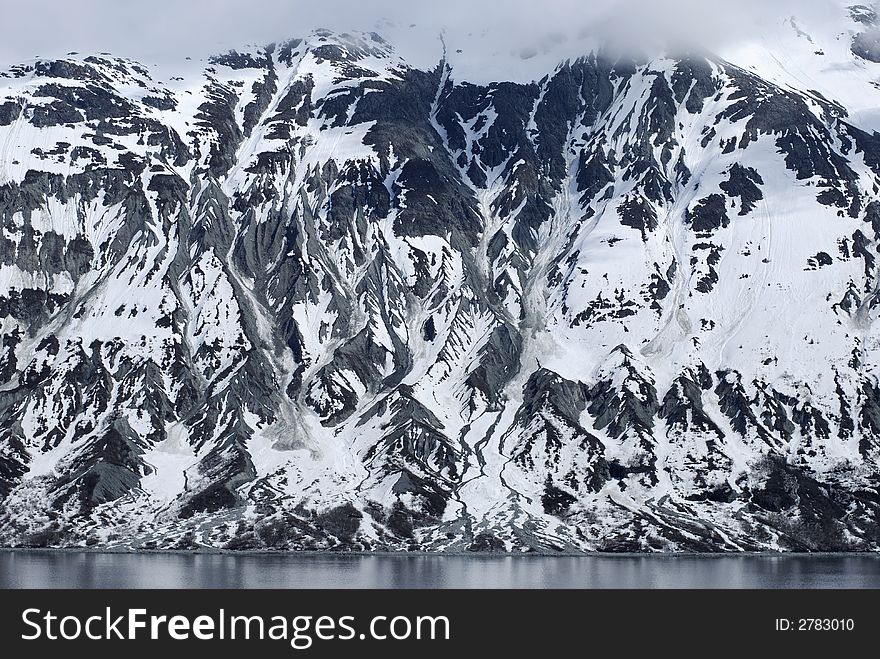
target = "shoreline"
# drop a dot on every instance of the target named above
(417, 554)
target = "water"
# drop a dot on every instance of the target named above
(37, 569)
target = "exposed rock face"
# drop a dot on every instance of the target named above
(320, 299)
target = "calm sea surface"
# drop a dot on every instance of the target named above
(35, 569)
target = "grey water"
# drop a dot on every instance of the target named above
(69, 569)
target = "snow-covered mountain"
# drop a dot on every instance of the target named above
(311, 297)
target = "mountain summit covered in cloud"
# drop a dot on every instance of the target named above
(310, 295)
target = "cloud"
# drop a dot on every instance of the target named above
(481, 29)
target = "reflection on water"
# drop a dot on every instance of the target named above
(35, 569)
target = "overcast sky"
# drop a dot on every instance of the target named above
(155, 30)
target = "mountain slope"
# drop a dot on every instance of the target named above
(316, 298)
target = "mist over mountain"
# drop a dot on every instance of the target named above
(610, 287)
